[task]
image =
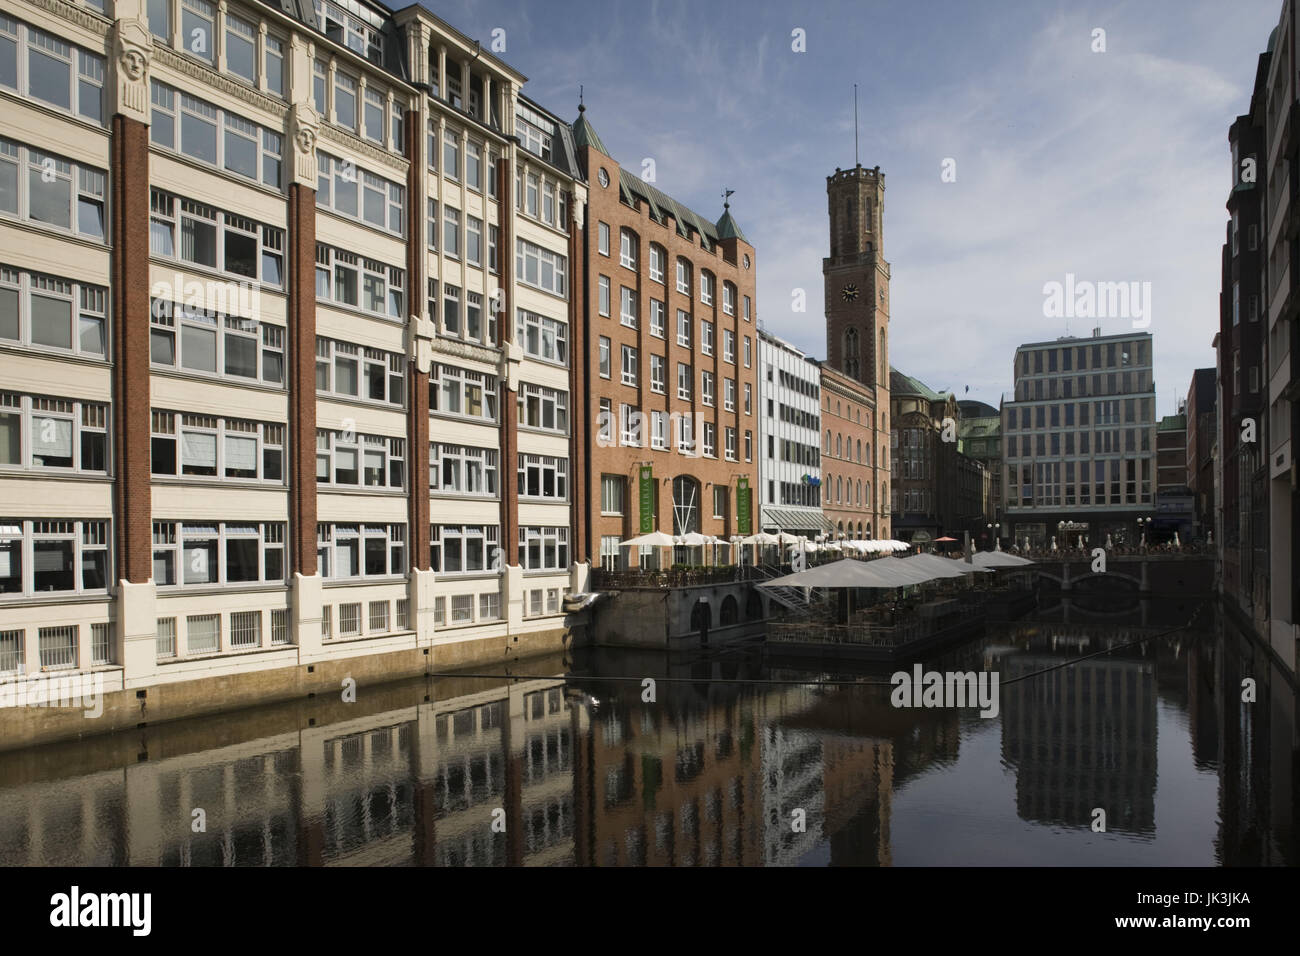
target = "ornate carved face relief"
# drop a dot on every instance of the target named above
(133, 64)
(306, 139)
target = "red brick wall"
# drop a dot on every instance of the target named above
(130, 297)
(507, 397)
(725, 263)
(417, 382)
(302, 378)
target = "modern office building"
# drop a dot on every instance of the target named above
(1079, 441)
(937, 490)
(284, 298)
(789, 470)
(669, 297)
(855, 374)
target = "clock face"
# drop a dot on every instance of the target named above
(849, 292)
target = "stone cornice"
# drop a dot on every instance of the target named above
(466, 350)
(89, 19)
(341, 138)
(170, 58)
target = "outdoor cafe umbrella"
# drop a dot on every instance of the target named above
(945, 567)
(655, 539)
(998, 559)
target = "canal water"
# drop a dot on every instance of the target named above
(613, 758)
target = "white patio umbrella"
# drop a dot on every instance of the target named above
(1109, 544)
(1080, 542)
(1143, 542)
(997, 546)
(655, 539)
(1177, 543)
(762, 538)
(1053, 542)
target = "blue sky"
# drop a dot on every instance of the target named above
(1112, 166)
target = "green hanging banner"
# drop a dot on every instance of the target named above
(647, 498)
(743, 507)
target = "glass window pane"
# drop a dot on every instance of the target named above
(51, 201)
(49, 78)
(199, 348)
(10, 440)
(241, 559)
(241, 457)
(162, 347)
(241, 254)
(241, 155)
(199, 137)
(11, 565)
(52, 566)
(51, 322)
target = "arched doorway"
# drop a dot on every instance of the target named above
(730, 612)
(753, 607)
(701, 617)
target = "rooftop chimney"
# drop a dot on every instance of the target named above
(1096, 332)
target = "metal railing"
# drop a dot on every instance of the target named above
(644, 579)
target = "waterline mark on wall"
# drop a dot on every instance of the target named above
(946, 689)
(56, 690)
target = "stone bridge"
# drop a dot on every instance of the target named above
(1147, 573)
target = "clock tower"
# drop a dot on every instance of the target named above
(857, 277)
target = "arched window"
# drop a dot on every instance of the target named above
(859, 529)
(852, 353)
(867, 460)
(859, 451)
(686, 505)
(884, 360)
(627, 243)
(827, 449)
(839, 490)
(858, 496)
(867, 501)
(840, 527)
(839, 446)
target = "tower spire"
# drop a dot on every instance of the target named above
(581, 108)
(856, 161)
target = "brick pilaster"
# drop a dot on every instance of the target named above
(417, 382)
(132, 533)
(507, 395)
(579, 433)
(302, 378)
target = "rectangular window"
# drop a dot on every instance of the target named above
(241, 48)
(451, 154)
(613, 494)
(451, 231)
(683, 329)
(463, 470)
(376, 107)
(729, 346)
(345, 188)
(51, 190)
(458, 392)
(706, 388)
(542, 337)
(474, 241)
(602, 238)
(544, 548)
(604, 359)
(629, 365)
(657, 312)
(345, 101)
(463, 549)
(626, 249)
(604, 305)
(543, 408)
(706, 337)
(343, 368)
(541, 476)
(361, 551)
(658, 373)
(627, 307)
(198, 31)
(657, 257)
(683, 381)
(540, 268)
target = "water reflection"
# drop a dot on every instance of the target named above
(732, 764)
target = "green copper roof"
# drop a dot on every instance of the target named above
(980, 427)
(584, 134)
(900, 384)
(661, 205)
(1172, 423)
(727, 228)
